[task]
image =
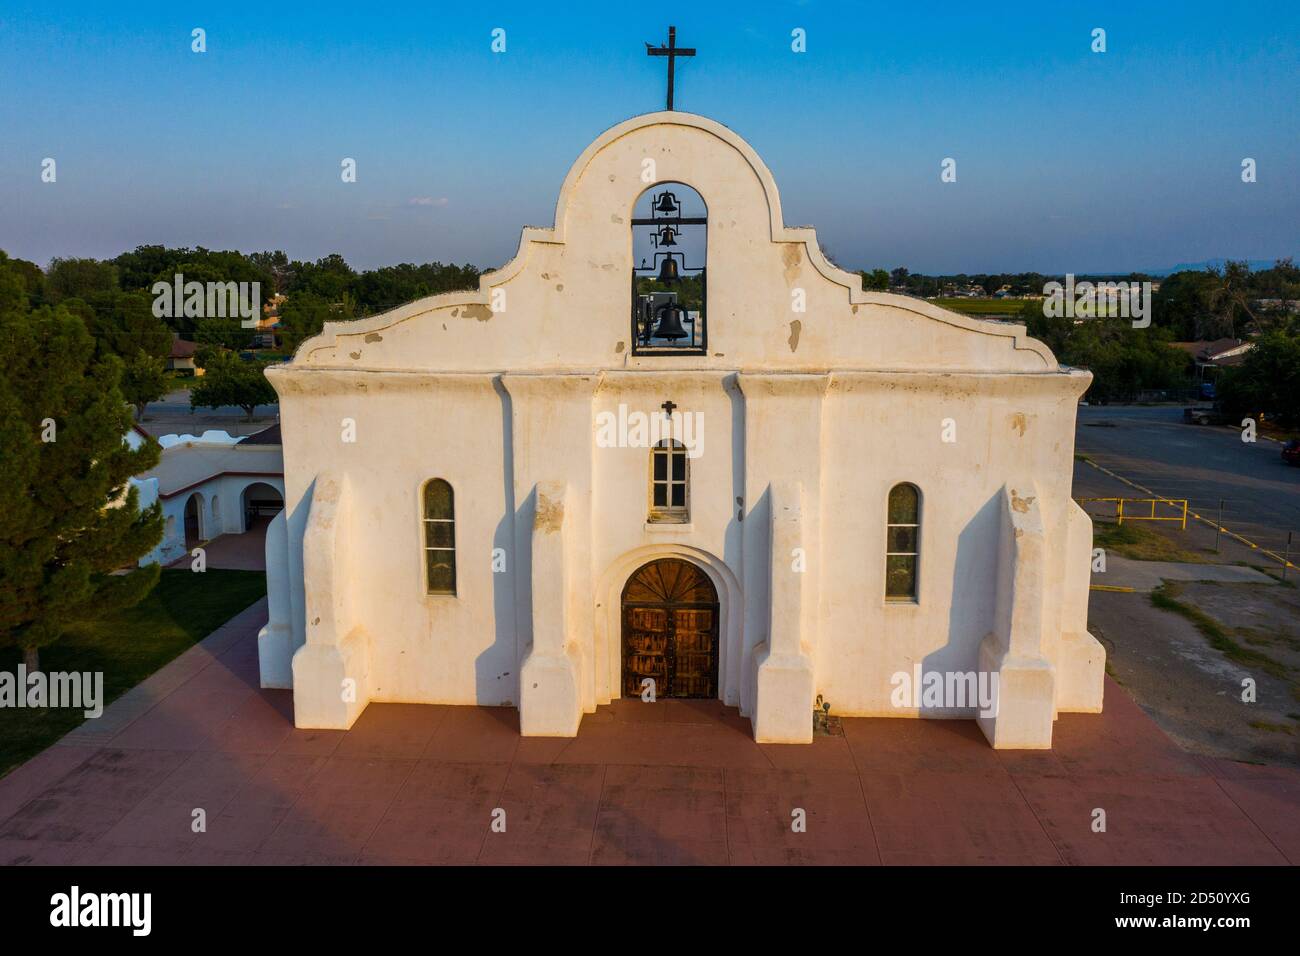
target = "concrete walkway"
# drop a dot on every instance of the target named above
(1148, 575)
(242, 552)
(672, 782)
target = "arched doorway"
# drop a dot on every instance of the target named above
(193, 520)
(670, 630)
(261, 502)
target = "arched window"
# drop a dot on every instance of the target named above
(903, 543)
(670, 480)
(669, 247)
(439, 537)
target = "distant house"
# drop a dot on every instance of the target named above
(181, 357)
(1212, 357)
(269, 323)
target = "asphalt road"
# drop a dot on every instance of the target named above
(1152, 446)
(172, 415)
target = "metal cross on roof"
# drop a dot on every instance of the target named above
(672, 51)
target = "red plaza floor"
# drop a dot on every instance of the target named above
(672, 782)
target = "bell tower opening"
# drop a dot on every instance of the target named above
(669, 252)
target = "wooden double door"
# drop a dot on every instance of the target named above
(670, 631)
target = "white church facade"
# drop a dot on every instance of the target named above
(735, 476)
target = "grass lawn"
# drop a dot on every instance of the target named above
(965, 306)
(1139, 544)
(1166, 597)
(127, 647)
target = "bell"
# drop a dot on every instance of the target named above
(666, 204)
(668, 270)
(667, 236)
(670, 322)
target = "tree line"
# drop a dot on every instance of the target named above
(114, 298)
(1233, 301)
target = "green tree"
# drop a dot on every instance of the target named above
(78, 279)
(303, 315)
(381, 289)
(1267, 380)
(140, 268)
(276, 263)
(13, 290)
(123, 324)
(328, 277)
(25, 276)
(229, 380)
(225, 333)
(876, 280)
(1183, 305)
(143, 381)
(1122, 359)
(1052, 331)
(69, 521)
(1230, 297)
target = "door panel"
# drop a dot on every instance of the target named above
(670, 631)
(645, 649)
(695, 664)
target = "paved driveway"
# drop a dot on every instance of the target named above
(1153, 447)
(672, 782)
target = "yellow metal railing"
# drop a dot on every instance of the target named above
(1134, 505)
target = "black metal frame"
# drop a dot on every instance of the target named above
(676, 222)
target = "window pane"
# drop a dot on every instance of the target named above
(679, 467)
(441, 570)
(661, 496)
(661, 467)
(900, 576)
(439, 534)
(437, 499)
(902, 505)
(679, 496)
(902, 539)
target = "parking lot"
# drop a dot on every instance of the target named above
(1154, 448)
(1186, 667)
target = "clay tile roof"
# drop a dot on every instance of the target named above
(182, 349)
(1219, 346)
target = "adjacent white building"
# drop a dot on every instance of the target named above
(210, 484)
(483, 506)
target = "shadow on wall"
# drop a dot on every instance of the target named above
(733, 541)
(496, 669)
(974, 594)
(296, 529)
(758, 595)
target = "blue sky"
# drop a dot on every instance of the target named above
(1067, 160)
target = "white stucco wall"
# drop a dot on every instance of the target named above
(221, 511)
(831, 406)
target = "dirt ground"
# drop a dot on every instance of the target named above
(1174, 671)
(1193, 690)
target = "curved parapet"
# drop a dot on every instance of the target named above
(522, 315)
